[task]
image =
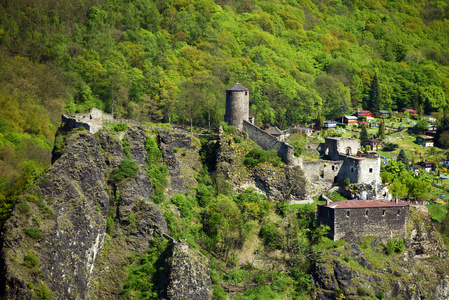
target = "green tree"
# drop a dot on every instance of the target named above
(374, 94)
(363, 134)
(402, 157)
(381, 131)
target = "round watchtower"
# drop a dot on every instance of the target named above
(237, 105)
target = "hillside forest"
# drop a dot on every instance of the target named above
(171, 60)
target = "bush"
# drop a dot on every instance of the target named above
(389, 146)
(110, 225)
(23, 207)
(272, 235)
(30, 260)
(257, 156)
(117, 127)
(184, 205)
(33, 233)
(362, 292)
(126, 169)
(390, 247)
(228, 129)
(238, 139)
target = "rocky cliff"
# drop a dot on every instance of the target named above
(74, 233)
(363, 269)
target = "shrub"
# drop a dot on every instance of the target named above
(118, 127)
(380, 295)
(30, 260)
(219, 292)
(389, 146)
(23, 207)
(238, 139)
(257, 156)
(33, 233)
(110, 225)
(390, 247)
(228, 129)
(272, 235)
(183, 204)
(362, 292)
(126, 169)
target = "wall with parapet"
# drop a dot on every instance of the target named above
(268, 142)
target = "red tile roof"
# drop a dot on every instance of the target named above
(364, 204)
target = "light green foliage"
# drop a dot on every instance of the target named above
(298, 141)
(272, 235)
(394, 246)
(145, 273)
(116, 127)
(183, 204)
(228, 129)
(156, 171)
(258, 156)
(30, 260)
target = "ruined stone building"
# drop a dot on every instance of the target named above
(346, 161)
(361, 218)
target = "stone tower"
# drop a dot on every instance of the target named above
(237, 105)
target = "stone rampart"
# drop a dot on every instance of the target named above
(324, 171)
(269, 142)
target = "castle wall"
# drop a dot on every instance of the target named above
(321, 170)
(268, 142)
(237, 108)
(335, 146)
(385, 222)
(316, 148)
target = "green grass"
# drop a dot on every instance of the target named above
(437, 212)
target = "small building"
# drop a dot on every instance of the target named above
(360, 218)
(364, 113)
(304, 130)
(383, 113)
(349, 120)
(411, 111)
(428, 166)
(330, 124)
(373, 143)
(424, 140)
(432, 128)
(276, 132)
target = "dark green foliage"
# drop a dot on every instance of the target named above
(422, 126)
(156, 171)
(272, 235)
(126, 149)
(362, 292)
(363, 134)
(143, 278)
(402, 157)
(33, 233)
(389, 146)
(30, 260)
(219, 292)
(381, 131)
(154, 154)
(380, 295)
(127, 169)
(374, 94)
(258, 156)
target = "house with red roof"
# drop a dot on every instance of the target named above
(364, 113)
(411, 111)
(350, 219)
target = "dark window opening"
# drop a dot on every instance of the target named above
(347, 213)
(366, 213)
(371, 170)
(383, 212)
(399, 212)
(246, 93)
(333, 168)
(352, 170)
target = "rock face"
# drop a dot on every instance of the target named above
(189, 274)
(280, 183)
(71, 234)
(358, 270)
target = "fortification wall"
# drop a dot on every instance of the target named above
(315, 148)
(321, 170)
(347, 146)
(385, 222)
(269, 142)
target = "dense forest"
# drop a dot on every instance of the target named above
(171, 60)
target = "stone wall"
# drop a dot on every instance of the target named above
(347, 146)
(269, 142)
(315, 148)
(385, 222)
(322, 170)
